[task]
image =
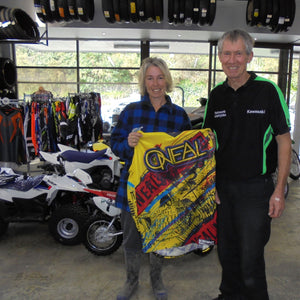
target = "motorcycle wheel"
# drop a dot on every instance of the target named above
(286, 190)
(3, 226)
(203, 252)
(295, 166)
(66, 224)
(101, 237)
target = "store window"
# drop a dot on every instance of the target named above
(109, 54)
(294, 91)
(265, 63)
(52, 66)
(111, 68)
(189, 66)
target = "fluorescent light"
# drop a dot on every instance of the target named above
(137, 46)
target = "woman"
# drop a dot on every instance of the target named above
(153, 113)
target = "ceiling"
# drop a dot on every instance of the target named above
(230, 14)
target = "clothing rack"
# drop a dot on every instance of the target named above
(85, 116)
(7, 101)
(37, 119)
(42, 97)
(79, 94)
(63, 99)
(20, 106)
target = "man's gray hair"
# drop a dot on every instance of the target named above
(233, 36)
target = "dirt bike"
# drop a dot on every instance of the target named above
(61, 200)
(102, 230)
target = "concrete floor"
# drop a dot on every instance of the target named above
(34, 266)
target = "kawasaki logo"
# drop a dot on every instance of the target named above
(261, 111)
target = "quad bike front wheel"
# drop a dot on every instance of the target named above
(103, 235)
(66, 224)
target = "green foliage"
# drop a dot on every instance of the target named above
(26, 56)
(114, 74)
(294, 82)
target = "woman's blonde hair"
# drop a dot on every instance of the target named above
(157, 62)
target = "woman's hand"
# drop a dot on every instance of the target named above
(213, 137)
(217, 199)
(133, 138)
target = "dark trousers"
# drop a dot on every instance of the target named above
(131, 237)
(243, 232)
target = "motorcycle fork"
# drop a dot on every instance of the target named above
(111, 224)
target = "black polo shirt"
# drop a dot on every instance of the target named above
(246, 122)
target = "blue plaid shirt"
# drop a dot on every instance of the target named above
(169, 118)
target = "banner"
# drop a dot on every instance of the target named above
(171, 191)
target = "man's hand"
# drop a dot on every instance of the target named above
(276, 205)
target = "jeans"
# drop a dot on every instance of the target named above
(243, 231)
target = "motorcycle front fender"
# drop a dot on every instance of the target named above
(105, 205)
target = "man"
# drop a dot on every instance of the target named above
(250, 120)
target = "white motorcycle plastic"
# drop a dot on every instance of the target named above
(103, 166)
(102, 230)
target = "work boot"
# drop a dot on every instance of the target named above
(158, 287)
(132, 263)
